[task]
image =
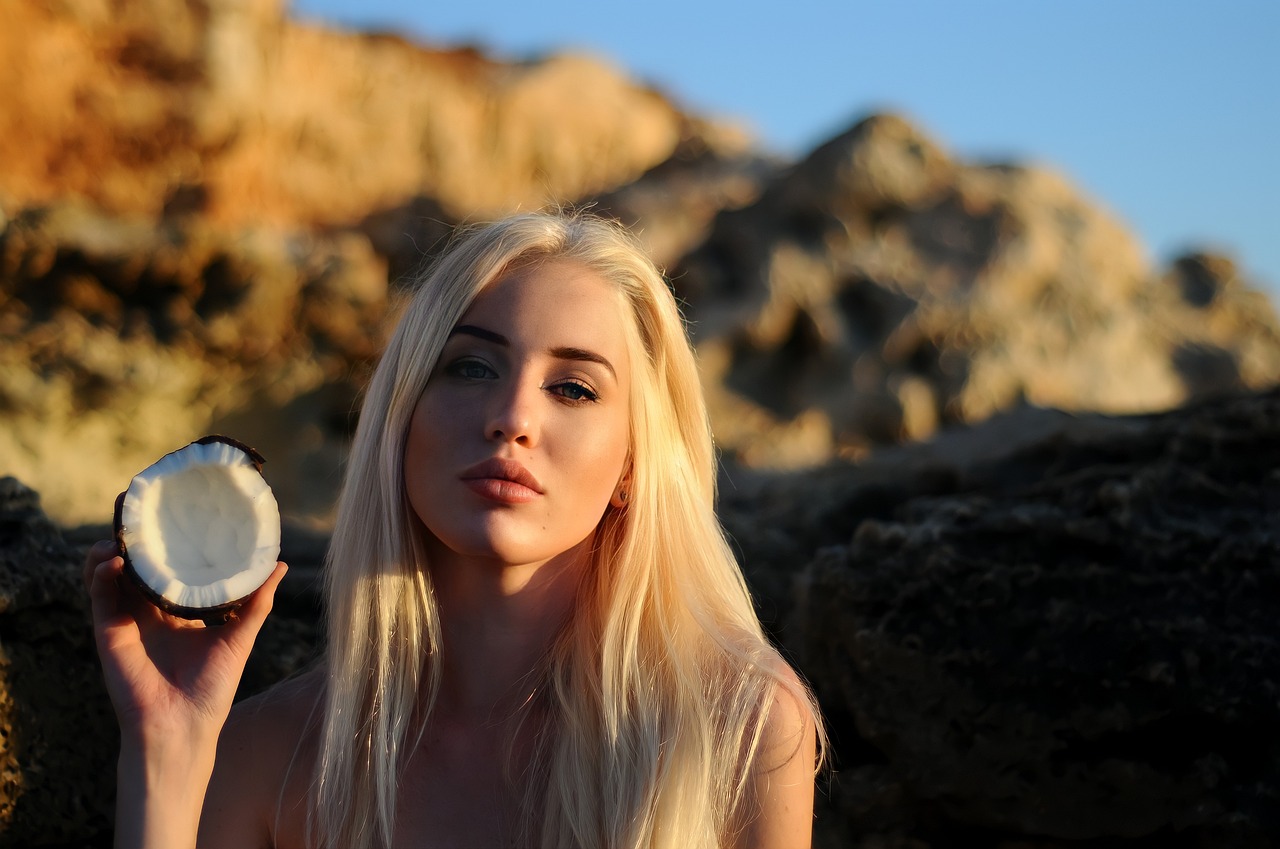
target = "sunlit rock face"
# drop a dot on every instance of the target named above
(209, 211)
(881, 289)
(231, 109)
(125, 340)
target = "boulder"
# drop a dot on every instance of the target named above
(57, 743)
(880, 289)
(672, 206)
(1063, 638)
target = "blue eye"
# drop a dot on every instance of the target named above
(470, 370)
(572, 390)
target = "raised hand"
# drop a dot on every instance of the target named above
(172, 682)
(163, 673)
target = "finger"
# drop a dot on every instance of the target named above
(104, 592)
(115, 627)
(254, 612)
(103, 549)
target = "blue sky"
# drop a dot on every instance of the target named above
(1167, 112)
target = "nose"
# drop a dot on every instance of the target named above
(512, 415)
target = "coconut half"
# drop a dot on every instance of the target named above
(199, 529)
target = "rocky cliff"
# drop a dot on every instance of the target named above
(207, 209)
(880, 289)
(828, 319)
(233, 110)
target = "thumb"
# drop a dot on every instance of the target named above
(249, 618)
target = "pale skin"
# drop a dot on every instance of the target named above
(523, 379)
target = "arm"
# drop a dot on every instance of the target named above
(171, 683)
(779, 799)
(262, 777)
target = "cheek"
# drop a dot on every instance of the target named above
(600, 456)
(421, 452)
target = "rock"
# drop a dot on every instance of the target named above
(1201, 276)
(1069, 639)
(671, 206)
(57, 747)
(127, 340)
(58, 737)
(232, 109)
(878, 164)
(409, 236)
(892, 290)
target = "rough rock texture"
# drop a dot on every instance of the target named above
(672, 206)
(124, 340)
(57, 746)
(880, 289)
(230, 108)
(874, 292)
(808, 348)
(1045, 631)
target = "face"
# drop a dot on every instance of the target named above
(521, 436)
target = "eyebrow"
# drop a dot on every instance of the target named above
(561, 353)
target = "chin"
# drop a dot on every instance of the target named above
(502, 550)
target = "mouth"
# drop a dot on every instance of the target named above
(501, 480)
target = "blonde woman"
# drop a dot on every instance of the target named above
(537, 635)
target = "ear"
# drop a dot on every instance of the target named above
(622, 492)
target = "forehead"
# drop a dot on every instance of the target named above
(555, 304)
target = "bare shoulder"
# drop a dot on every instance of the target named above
(779, 802)
(281, 707)
(790, 729)
(265, 755)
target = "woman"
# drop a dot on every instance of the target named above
(537, 635)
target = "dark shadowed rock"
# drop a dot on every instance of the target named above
(1200, 277)
(408, 235)
(58, 737)
(1074, 638)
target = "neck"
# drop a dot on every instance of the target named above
(498, 622)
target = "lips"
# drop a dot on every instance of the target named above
(502, 480)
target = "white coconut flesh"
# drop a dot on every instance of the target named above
(201, 526)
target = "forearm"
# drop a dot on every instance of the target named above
(160, 792)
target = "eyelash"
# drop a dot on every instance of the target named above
(462, 369)
(588, 395)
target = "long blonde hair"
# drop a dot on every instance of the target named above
(657, 689)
